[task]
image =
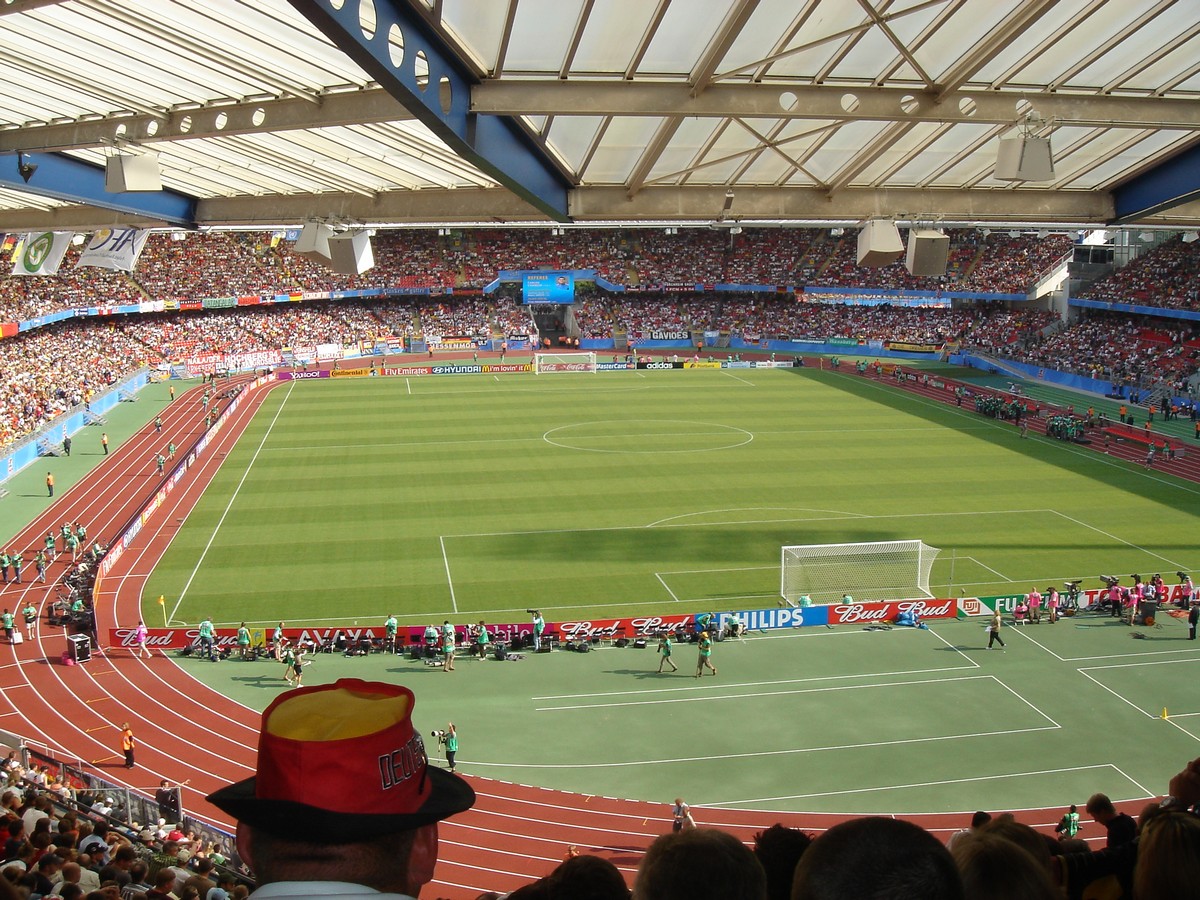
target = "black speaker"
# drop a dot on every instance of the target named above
(545, 648)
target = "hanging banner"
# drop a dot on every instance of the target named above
(41, 253)
(114, 248)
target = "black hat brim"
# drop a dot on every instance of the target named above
(450, 795)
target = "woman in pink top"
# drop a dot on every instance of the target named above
(1034, 601)
(141, 633)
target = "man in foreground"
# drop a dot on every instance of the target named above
(343, 795)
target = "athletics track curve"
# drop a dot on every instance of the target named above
(188, 732)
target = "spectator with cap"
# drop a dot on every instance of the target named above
(343, 797)
(225, 883)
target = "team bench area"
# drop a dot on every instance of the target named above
(1147, 438)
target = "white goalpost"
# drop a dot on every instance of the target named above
(553, 363)
(874, 571)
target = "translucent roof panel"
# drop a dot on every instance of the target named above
(652, 95)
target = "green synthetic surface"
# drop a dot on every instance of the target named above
(613, 495)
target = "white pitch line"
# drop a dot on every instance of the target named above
(1114, 693)
(666, 587)
(709, 697)
(1145, 789)
(760, 753)
(1135, 665)
(742, 380)
(973, 663)
(990, 569)
(1112, 536)
(232, 500)
(918, 784)
(1090, 455)
(839, 518)
(449, 580)
(812, 680)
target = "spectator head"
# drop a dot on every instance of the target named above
(342, 763)
(164, 881)
(587, 877)
(70, 891)
(72, 872)
(778, 850)
(50, 864)
(1100, 808)
(1040, 846)
(138, 872)
(981, 818)
(877, 857)
(1168, 859)
(995, 868)
(699, 864)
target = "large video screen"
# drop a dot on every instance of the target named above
(548, 287)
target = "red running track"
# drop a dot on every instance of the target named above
(186, 731)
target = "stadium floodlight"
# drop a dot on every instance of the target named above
(876, 570)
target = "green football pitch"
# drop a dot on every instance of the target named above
(622, 494)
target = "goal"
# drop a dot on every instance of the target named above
(549, 363)
(880, 570)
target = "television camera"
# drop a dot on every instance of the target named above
(440, 736)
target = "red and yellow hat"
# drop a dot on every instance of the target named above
(345, 757)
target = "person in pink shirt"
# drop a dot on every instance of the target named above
(141, 633)
(1034, 601)
(1052, 604)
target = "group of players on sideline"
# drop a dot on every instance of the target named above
(387, 835)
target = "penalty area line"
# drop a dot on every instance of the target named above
(229, 505)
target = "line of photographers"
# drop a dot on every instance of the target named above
(1139, 603)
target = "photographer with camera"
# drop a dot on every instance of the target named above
(449, 740)
(539, 625)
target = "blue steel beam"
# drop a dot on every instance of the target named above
(496, 145)
(66, 178)
(1171, 183)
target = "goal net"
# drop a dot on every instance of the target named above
(549, 363)
(880, 570)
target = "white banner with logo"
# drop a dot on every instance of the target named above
(41, 253)
(114, 248)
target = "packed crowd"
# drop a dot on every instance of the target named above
(1116, 348)
(46, 371)
(1169, 276)
(76, 847)
(192, 267)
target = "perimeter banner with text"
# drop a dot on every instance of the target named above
(648, 627)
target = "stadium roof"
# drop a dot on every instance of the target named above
(266, 112)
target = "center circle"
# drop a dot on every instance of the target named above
(647, 436)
